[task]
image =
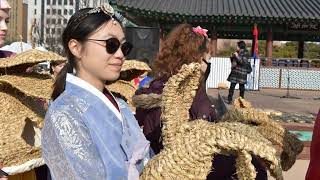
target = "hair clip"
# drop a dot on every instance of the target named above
(107, 9)
(201, 31)
(94, 10)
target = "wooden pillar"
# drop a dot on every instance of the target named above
(161, 38)
(300, 49)
(214, 44)
(269, 47)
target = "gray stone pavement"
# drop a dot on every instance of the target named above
(297, 172)
(309, 103)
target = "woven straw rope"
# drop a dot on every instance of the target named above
(21, 112)
(124, 88)
(289, 145)
(35, 85)
(30, 57)
(132, 69)
(190, 146)
(135, 65)
(14, 113)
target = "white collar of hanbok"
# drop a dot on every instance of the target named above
(85, 85)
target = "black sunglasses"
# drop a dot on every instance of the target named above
(113, 44)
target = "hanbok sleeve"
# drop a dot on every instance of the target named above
(68, 149)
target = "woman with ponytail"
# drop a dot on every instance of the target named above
(88, 133)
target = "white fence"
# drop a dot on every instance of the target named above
(292, 78)
(221, 68)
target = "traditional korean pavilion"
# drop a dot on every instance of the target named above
(277, 20)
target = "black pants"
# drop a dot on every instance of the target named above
(43, 173)
(231, 90)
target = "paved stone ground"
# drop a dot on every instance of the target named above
(303, 109)
(297, 172)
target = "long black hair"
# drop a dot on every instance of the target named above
(79, 27)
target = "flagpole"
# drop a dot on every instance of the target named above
(254, 70)
(255, 53)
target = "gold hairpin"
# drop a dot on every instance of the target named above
(107, 9)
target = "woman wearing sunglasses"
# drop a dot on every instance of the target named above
(89, 134)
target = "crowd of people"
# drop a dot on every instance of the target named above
(90, 134)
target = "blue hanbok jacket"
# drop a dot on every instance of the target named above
(86, 137)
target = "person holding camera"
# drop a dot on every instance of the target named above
(240, 67)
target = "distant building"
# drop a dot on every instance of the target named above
(56, 16)
(35, 17)
(89, 3)
(17, 27)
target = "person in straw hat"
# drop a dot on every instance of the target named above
(4, 20)
(89, 134)
(184, 45)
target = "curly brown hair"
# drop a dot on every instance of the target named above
(182, 46)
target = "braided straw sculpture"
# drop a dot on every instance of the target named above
(190, 146)
(288, 145)
(22, 99)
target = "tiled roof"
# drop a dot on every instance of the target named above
(270, 9)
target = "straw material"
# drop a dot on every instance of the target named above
(245, 168)
(22, 100)
(32, 56)
(125, 89)
(19, 119)
(190, 156)
(38, 86)
(132, 69)
(135, 65)
(290, 146)
(190, 146)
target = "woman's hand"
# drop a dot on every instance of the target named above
(236, 54)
